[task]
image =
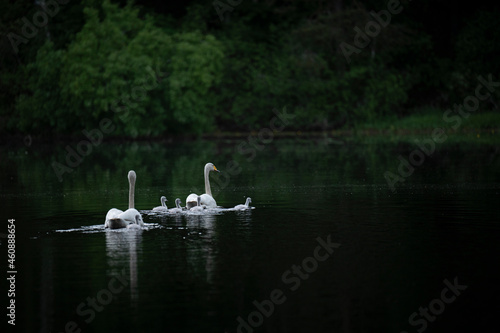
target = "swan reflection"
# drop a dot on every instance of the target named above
(204, 225)
(122, 247)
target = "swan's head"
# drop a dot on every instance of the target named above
(132, 176)
(249, 200)
(178, 203)
(211, 167)
(138, 219)
(163, 199)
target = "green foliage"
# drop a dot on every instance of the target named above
(478, 45)
(154, 74)
(477, 48)
(122, 67)
(196, 67)
(110, 67)
(320, 95)
(369, 93)
(43, 107)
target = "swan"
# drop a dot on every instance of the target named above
(128, 219)
(163, 207)
(112, 213)
(116, 218)
(199, 207)
(178, 208)
(206, 198)
(245, 206)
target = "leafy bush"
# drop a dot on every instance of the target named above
(124, 68)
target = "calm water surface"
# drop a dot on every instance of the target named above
(211, 272)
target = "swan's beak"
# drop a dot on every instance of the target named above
(215, 169)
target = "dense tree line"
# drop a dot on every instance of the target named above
(202, 66)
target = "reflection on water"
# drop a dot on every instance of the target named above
(47, 292)
(122, 246)
(244, 216)
(203, 223)
(198, 272)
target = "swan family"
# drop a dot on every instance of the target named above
(131, 218)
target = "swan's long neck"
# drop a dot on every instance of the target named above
(207, 180)
(131, 189)
(163, 200)
(178, 203)
(247, 202)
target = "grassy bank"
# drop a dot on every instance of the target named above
(429, 119)
(420, 122)
(477, 128)
(480, 127)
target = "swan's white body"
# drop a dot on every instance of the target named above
(116, 218)
(191, 200)
(245, 206)
(112, 213)
(199, 207)
(163, 207)
(129, 218)
(206, 198)
(178, 208)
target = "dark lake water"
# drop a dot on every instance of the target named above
(329, 246)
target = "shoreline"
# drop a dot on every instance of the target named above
(468, 134)
(423, 124)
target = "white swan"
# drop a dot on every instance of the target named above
(178, 208)
(128, 219)
(245, 206)
(116, 218)
(163, 207)
(199, 207)
(206, 198)
(112, 213)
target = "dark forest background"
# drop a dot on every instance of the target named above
(169, 68)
